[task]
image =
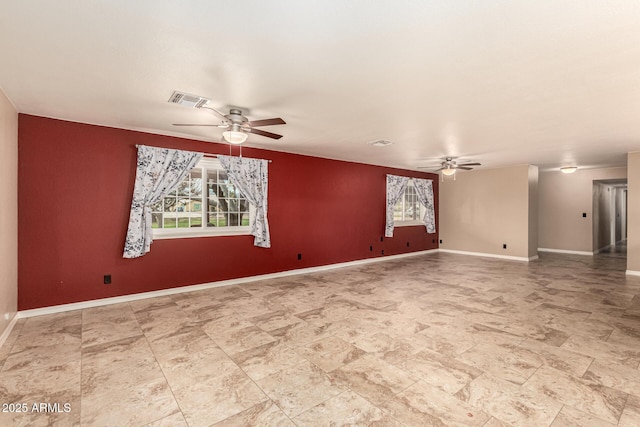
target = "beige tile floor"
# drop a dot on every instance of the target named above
(436, 339)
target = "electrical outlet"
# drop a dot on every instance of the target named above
(370, 248)
(440, 241)
(504, 246)
(299, 257)
(584, 214)
(107, 279)
(407, 244)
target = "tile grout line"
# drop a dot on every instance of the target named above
(10, 350)
(243, 371)
(624, 407)
(588, 367)
(253, 381)
(392, 296)
(155, 357)
(556, 417)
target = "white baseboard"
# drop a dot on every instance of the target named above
(632, 273)
(564, 251)
(509, 257)
(171, 291)
(597, 251)
(8, 329)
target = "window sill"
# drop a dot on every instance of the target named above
(186, 233)
(407, 223)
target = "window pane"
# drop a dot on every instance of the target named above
(412, 212)
(224, 191)
(233, 219)
(169, 204)
(156, 220)
(223, 204)
(195, 186)
(213, 199)
(182, 205)
(206, 188)
(183, 187)
(397, 211)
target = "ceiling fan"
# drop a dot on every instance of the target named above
(238, 127)
(448, 166)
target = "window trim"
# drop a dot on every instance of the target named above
(185, 233)
(410, 222)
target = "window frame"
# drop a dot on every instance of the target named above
(205, 164)
(409, 222)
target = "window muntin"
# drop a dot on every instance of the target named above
(408, 210)
(226, 205)
(188, 211)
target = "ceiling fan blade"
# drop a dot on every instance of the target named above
(222, 116)
(267, 122)
(263, 133)
(470, 164)
(463, 168)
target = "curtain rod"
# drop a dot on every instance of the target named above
(213, 156)
(208, 155)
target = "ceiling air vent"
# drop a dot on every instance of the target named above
(380, 143)
(192, 101)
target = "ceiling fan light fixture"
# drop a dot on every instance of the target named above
(569, 169)
(234, 136)
(448, 171)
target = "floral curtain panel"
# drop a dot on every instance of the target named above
(250, 176)
(159, 172)
(424, 190)
(395, 189)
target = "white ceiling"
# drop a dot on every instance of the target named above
(542, 82)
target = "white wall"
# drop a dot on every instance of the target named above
(563, 198)
(533, 210)
(633, 212)
(483, 209)
(8, 212)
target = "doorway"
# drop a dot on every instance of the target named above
(610, 217)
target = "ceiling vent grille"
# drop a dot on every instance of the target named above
(192, 101)
(380, 143)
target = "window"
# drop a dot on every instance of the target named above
(204, 204)
(409, 210)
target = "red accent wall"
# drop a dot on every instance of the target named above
(75, 183)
